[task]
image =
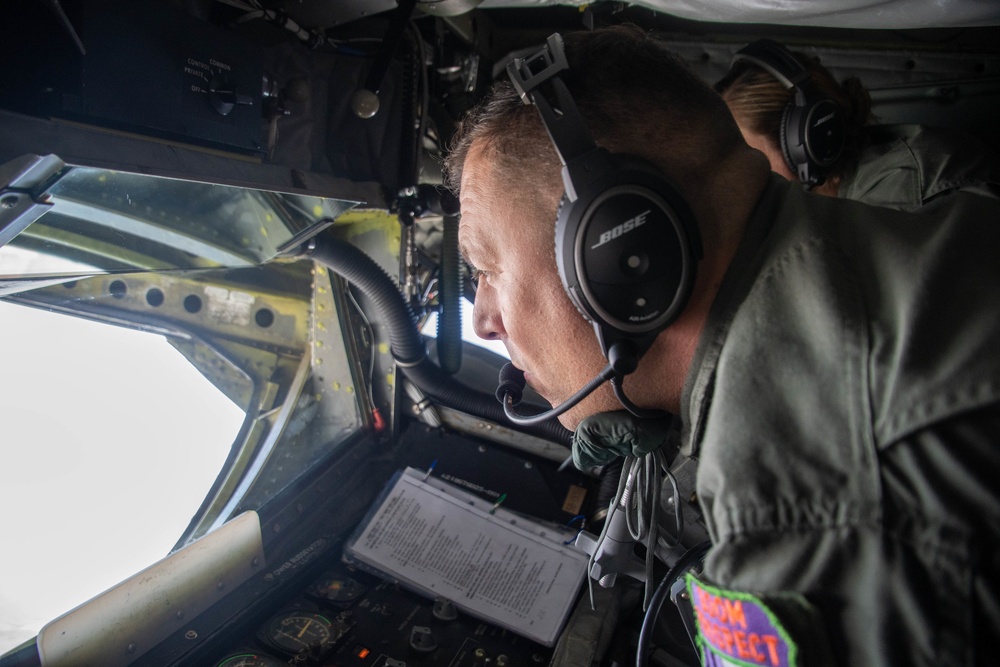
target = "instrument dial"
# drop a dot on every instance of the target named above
(296, 631)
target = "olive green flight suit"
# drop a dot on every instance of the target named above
(844, 406)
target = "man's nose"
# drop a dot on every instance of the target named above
(486, 320)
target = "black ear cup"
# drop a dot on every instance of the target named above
(813, 129)
(627, 249)
(627, 245)
(783, 138)
(822, 132)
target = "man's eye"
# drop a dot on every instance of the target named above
(478, 276)
(475, 274)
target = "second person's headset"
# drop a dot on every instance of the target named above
(813, 129)
(627, 245)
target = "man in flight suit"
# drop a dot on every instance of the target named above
(835, 369)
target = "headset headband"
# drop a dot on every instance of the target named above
(562, 119)
(776, 60)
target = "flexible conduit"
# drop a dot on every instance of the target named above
(449, 332)
(405, 341)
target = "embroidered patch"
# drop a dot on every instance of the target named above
(737, 628)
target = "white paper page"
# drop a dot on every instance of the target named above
(486, 565)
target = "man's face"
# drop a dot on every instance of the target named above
(508, 238)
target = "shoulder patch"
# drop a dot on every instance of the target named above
(736, 628)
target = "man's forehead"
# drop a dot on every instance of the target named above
(480, 179)
(486, 224)
(468, 242)
(477, 233)
(494, 208)
(481, 199)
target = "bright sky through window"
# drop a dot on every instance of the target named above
(111, 440)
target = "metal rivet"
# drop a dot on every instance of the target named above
(130, 648)
(10, 201)
(190, 634)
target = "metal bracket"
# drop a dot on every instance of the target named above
(22, 197)
(525, 73)
(615, 554)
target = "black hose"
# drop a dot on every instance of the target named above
(691, 557)
(406, 343)
(408, 140)
(449, 333)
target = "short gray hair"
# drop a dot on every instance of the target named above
(633, 92)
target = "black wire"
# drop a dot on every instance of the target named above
(642, 413)
(528, 420)
(689, 558)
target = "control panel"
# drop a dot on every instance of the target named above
(345, 616)
(349, 618)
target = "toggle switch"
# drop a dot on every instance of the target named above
(422, 639)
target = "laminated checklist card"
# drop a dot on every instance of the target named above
(498, 566)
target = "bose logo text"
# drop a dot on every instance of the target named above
(623, 228)
(825, 118)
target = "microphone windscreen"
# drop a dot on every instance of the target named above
(511, 382)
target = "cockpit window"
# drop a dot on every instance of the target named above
(141, 410)
(111, 440)
(111, 220)
(18, 261)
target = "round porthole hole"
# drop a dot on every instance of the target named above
(154, 297)
(118, 289)
(192, 303)
(264, 318)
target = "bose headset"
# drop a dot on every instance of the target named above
(627, 245)
(813, 129)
